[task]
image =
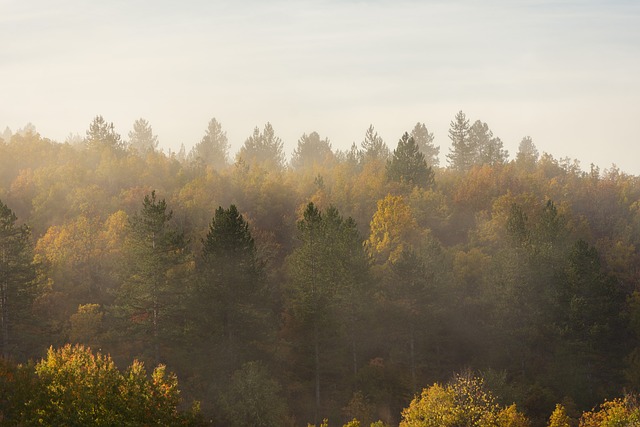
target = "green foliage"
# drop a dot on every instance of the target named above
(17, 275)
(141, 138)
(462, 152)
(311, 150)
(254, 399)
(407, 164)
(424, 141)
(263, 148)
(153, 282)
(231, 297)
(373, 146)
(102, 134)
(213, 148)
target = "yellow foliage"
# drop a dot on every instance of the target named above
(393, 229)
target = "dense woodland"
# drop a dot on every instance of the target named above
(334, 285)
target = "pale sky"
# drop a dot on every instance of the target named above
(567, 73)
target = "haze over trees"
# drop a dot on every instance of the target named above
(340, 285)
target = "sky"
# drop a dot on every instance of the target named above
(565, 73)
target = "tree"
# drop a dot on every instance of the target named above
(462, 152)
(488, 150)
(263, 148)
(213, 148)
(74, 386)
(311, 150)
(407, 164)
(232, 293)
(103, 134)
(465, 401)
(559, 418)
(17, 275)
(328, 272)
(152, 287)
(527, 153)
(393, 230)
(254, 399)
(373, 147)
(424, 140)
(141, 138)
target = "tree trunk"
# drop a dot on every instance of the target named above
(414, 384)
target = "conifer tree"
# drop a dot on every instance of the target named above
(213, 148)
(232, 291)
(407, 164)
(462, 152)
(17, 274)
(373, 147)
(153, 285)
(141, 138)
(424, 140)
(103, 134)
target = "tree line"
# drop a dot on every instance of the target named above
(337, 285)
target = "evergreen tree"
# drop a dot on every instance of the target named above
(213, 148)
(153, 288)
(329, 275)
(311, 150)
(373, 147)
(103, 134)
(527, 153)
(424, 140)
(232, 292)
(263, 148)
(141, 138)
(488, 150)
(17, 274)
(462, 152)
(407, 164)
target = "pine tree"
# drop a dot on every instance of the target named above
(153, 287)
(103, 134)
(213, 148)
(141, 138)
(373, 147)
(329, 274)
(233, 289)
(407, 164)
(17, 274)
(264, 148)
(462, 152)
(424, 140)
(311, 150)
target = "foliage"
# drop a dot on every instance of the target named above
(17, 275)
(141, 138)
(263, 148)
(152, 288)
(526, 267)
(407, 164)
(102, 134)
(311, 150)
(462, 402)
(254, 399)
(73, 386)
(213, 148)
(613, 413)
(424, 140)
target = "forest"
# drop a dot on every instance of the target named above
(370, 286)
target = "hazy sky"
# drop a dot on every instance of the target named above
(567, 73)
